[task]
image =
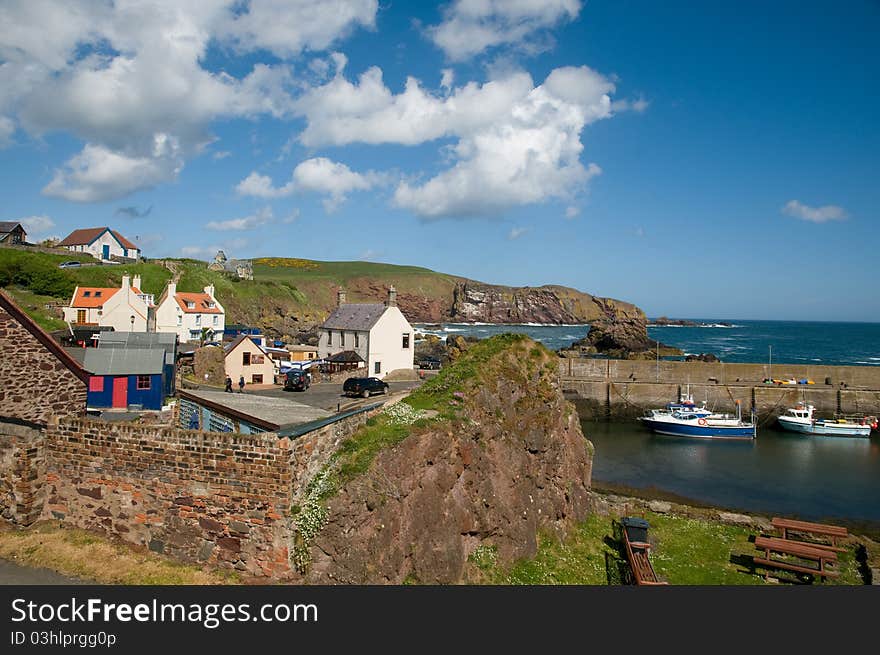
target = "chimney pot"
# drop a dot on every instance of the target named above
(340, 297)
(392, 296)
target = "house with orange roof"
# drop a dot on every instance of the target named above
(102, 243)
(190, 314)
(125, 309)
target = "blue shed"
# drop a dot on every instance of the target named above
(125, 377)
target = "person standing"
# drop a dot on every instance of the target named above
(241, 384)
(228, 384)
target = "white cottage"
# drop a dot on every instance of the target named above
(100, 242)
(188, 314)
(125, 309)
(376, 336)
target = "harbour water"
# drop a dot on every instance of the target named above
(784, 342)
(835, 479)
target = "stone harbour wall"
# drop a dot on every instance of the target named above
(214, 498)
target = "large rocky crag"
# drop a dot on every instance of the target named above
(512, 463)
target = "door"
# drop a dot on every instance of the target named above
(120, 392)
(80, 316)
(105, 251)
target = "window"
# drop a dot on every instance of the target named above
(190, 304)
(87, 294)
(406, 340)
(245, 359)
(329, 337)
(257, 359)
(311, 355)
(96, 383)
(377, 367)
(215, 320)
(179, 319)
(256, 379)
(198, 319)
(97, 294)
(143, 382)
(357, 339)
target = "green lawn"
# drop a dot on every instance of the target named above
(685, 551)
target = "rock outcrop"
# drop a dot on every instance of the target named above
(508, 461)
(624, 338)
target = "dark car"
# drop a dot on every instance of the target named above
(364, 387)
(429, 363)
(296, 381)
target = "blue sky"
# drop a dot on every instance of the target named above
(697, 159)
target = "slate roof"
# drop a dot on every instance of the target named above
(167, 341)
(8, 226)
(122, 361)
(232, 345)
(85, 236)
(345, 356)
(359, 316)
(267, 412)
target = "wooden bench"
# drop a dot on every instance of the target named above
(832, 532)
(634, 531)
(822, 556)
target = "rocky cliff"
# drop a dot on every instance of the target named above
(500, 457)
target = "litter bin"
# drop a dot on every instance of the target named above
(636, 528)
(828, 381)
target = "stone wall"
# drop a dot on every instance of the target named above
(216, 498)
(35, 381)
(21, 473)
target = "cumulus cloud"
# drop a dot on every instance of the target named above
(470, 27)
(572, 211)
(122, 76)
(7, 129)
(319, 175)
(517, 232)
(37, 225)
(263, 216)
(814, 214)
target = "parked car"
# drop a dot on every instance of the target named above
(429, 362)
(297, 381)
(364, 387)
(70, 265)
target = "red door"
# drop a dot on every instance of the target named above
(120, 392)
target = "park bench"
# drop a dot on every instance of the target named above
(820, 530)
(635, 538)
(774, 545)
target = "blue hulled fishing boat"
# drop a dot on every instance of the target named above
(686, 420)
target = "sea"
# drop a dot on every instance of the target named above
(783, 342)
(831, 479)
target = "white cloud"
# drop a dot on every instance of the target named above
(98, 174)
(291, 217)
(208, 252)
(37, 225)
(319, 175)
(222, 154)
(121, 75)
(257, 219)
(517, 232)
(814, 214)
(470, 27)
(7, 129)
(287, 27)
(572, 211)
(639, 105)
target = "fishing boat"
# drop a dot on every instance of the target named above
(685, 406)
(801, 419)
(678, 423)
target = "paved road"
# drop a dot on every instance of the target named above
(15, 574)
(328, 395)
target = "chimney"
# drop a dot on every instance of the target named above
(126, 282)
(392, 296)
(340, 297)
(210, 291)
(136, 282)
(172, 289)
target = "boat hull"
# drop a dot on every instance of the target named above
(700, 431)
(826, 429)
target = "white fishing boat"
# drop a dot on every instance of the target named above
(802, 419)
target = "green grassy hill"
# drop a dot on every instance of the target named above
(287, 296)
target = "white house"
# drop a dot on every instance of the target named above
(187, 314)
(377, 336)
(126, 309)
(100, 242)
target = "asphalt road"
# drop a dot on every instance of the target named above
(15, 574)
(328, 395)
